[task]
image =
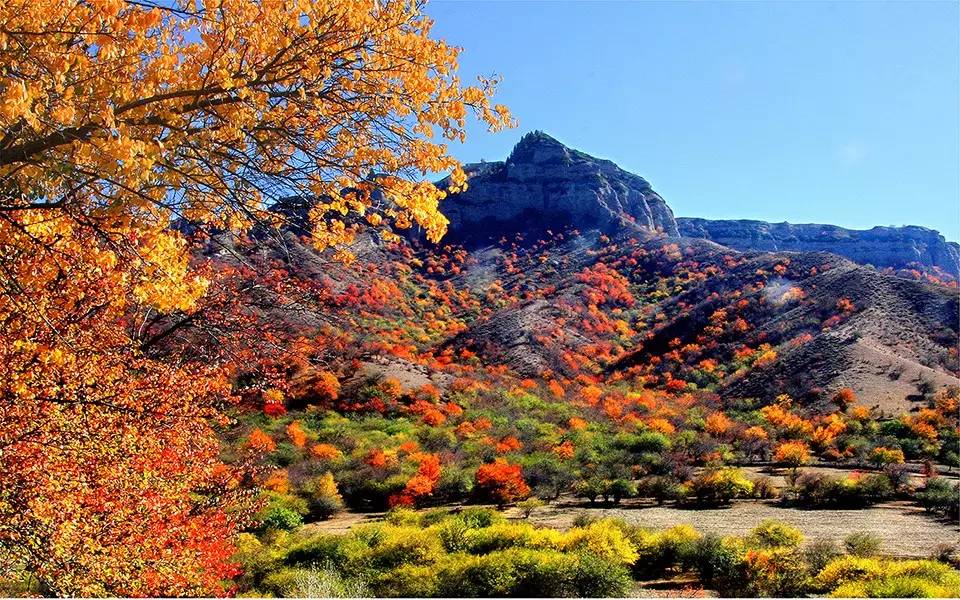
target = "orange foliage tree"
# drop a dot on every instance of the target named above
(118, 117)
(501, 482)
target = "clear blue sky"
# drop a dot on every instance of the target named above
(836, 112)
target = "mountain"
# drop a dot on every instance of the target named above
(561, 265)
(784, 284)
(894, 247)
(543, 185)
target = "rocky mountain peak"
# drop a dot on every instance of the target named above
(542, 185)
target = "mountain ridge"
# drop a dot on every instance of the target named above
(902, 247)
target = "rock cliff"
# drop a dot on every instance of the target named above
(895, 247)
(545, 185)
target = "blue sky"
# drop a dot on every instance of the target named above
(830, 112)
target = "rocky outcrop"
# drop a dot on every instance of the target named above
(895, 247)
(545, 185)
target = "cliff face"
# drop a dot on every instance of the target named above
(895, 247)
(545, 185)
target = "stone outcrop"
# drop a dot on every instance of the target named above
(545, 185)
(895, 247)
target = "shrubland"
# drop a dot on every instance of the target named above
(476, 552)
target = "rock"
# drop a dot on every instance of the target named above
(894, 247)
(545, 185)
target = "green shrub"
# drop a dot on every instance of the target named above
(452, 533)
(280, 518)
(476, 576)
(347, 554)
(475, 517)
(594, 577)
(529, 505)
(584, 518)
(819, 554)
(660, 487)
(818, 489)
(621, 488)
(939, 496)
(531, 573)
(719, 563)
(862, 544)
(663, 551)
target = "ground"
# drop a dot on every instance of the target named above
(905, 529)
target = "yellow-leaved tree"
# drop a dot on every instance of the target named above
(117, 117)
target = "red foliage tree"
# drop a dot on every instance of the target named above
(501, 482)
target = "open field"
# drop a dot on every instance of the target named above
(905, 529)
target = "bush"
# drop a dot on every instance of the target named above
(847, 569)
(773, 534)
(584, 519)
(719, 563)
(663, 551)
(405, 546)
(862, 544)
(603, 539)
(594, 577)
(508, 535)
(938, 496)
(344, 553)
(324, 583)
(529, 505)
(402, 515)
(660, 487)
(764, 489)
(476, 517)
(852, 576)
(405, 581)
(720, 486)
(280, 518)
(619, 489)
(476, 576)
(731, 567)
(817, 489)
(819, 554)
(532, 573)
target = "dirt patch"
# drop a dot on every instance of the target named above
(905, 530)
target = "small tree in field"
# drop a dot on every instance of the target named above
(793, 454)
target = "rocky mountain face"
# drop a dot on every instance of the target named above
(894, 247)
(545, 185)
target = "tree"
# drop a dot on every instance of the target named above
(501, 482)
(794, 454)
(117, 118)
(325, 500)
